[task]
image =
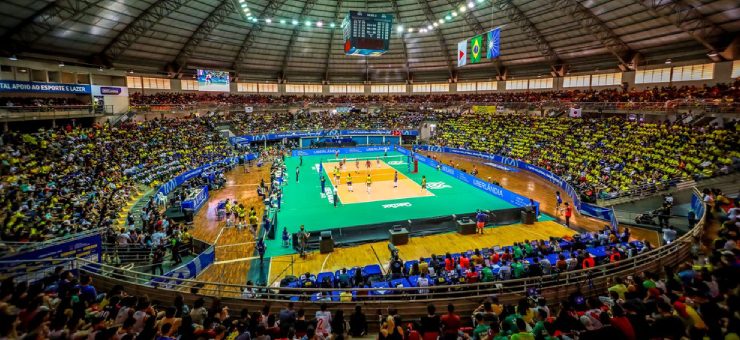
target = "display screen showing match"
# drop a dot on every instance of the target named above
(210, 80)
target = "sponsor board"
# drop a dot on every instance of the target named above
(438, 185)
(396, 205)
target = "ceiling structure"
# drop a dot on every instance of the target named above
(538, 37)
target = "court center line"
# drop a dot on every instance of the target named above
(324, 264)
(237, 260)
(235, 244)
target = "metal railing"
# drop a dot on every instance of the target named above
(8, 248)
(671, 254)
(642, 190)
(21, 113)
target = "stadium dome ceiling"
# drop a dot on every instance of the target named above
(538, 36)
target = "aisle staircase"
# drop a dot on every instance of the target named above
(135, 204)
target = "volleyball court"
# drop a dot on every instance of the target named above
(381, 174)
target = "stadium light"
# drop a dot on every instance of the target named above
(463, 8)
(399, 28)
(244, 5)
(471, 4)
(712, 54)
(332, 25)
(319, 24)
(294, 22)
(435, 24)
(411, 30)
(448, 17)
(480, 1)
(454, 13)
(268, 20)
(668, 61)
(61, 64)
(308, 22)
(13, 58)
(282, 21)
(441, 21)
(430, 27)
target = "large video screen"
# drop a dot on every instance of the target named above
(210, 80)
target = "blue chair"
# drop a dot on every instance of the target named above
(402, 281)
(326, 276)
(409, 264)
(372, 270)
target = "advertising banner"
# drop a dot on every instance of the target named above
(188, 270)
(34, 87)
(322, 133)
(495, 190)
(584, 208)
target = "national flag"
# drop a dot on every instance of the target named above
(462, 53)
(494, 44)
(476, 44)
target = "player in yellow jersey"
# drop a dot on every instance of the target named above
(349, 182)
(369, 182)
(423, 183)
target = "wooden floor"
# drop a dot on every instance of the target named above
(417, 247)
(234, 249)
(530, 185)
(231, 245)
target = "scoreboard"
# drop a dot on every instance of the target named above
(366, 33)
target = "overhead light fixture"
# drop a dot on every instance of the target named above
(294, 22)
(479, 1)
(454, 13)
(242, 1)
(435, 24)
(668, 61)
(711, 54)
(411, 30)
(471, 4)
(319, 24)
(131, 71)
(308, 22)
(100, 68)
(254, 19)
(282, 21)
(399, 28)
(244, 5)
(61, 64)
(441, 21)
(332, 25)
(448, 17)
(268, 20)
(430, 27)
(13, 58)
(22, 70)
(463, 8)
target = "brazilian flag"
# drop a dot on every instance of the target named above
(476, 48)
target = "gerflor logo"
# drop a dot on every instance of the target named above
(438, 185)
(396, 162)
(396, 205)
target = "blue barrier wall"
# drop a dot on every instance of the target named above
(180, 179)
(87, 247)
(585, 208)
(342, 151)
(188, 270)
(322, 133)
(495, 190)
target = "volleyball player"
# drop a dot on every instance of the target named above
(349, 182)
(369, 182)
(423, 183)
(395, 179)
(368, 164)
(558, 201)
(377, 161)
(357, 165)
(336, 154)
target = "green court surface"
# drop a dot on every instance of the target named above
(303, 202)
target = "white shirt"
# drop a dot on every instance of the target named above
(323, 322)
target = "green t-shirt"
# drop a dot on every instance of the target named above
(522, 336)
(481, 331)
(486, 274)
(517, 269)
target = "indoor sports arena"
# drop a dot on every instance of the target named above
(373, 169)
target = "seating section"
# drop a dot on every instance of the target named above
(601, 157)
(720, 93)
(60, 182)
(527, 259)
